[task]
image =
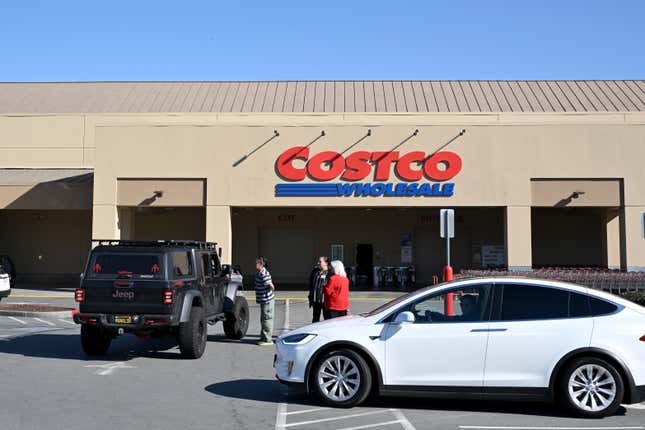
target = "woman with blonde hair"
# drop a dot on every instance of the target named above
(337, 292)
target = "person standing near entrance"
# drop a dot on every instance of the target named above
(265, 297)
(337, 291)
(317, 283)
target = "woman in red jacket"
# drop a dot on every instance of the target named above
(337, 292)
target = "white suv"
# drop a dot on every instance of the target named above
(494, 338)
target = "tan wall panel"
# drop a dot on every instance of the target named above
(174, 192)
(41, 158)
(41, 132)
(88, 157)
(559, 193)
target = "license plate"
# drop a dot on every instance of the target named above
(123, 319)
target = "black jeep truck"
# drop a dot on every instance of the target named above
(152, 288)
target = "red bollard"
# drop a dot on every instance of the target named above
(448, 304)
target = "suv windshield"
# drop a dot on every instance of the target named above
(143, 266)
(404, 297)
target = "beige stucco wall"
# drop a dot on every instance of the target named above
(501, 153)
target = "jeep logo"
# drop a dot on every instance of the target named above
(125, 295)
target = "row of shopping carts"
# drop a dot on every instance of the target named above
(386, 277)
(614, 281)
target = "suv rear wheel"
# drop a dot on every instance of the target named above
(94, 340)
(591, 387)
(193, 334)
(237, 320)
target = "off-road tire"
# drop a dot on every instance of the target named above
(95, 340)
(364, 387)
(193, 334)
(237, 319)
(618, 388)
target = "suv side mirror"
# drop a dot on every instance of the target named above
(406, 317)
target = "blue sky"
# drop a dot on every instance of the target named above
(254, 40)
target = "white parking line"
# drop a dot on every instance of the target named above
(635, 406)
(281, 416)
(550, 428)
(17, 320)
(305, 411)
(45, 322)
(407, 425)
(369, 426)
(109, 368)
(67, 321)
(342, 417)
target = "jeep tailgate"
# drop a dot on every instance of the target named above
(125, 296)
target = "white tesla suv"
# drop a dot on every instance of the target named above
(499, 338)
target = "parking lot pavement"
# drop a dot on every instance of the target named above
(48, 383)
(11, 326)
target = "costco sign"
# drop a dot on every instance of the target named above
(364, 173)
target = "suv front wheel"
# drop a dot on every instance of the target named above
(193, 334)
(341, 378)
(237, 320)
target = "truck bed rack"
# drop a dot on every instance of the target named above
(159, 243)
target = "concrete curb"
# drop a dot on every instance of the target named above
(58, 314)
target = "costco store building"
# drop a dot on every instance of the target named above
(540, 173)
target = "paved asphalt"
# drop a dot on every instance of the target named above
(48, 383)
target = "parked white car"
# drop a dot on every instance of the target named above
(507, 338)
(5, 285)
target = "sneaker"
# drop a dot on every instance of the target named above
(265, 343)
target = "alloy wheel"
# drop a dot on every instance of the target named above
(339, 378)
(592, 388)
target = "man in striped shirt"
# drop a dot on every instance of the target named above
(265, 297)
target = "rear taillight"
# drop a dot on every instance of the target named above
(79, 295)
(167, 298)
(642, 339)
(85, 319)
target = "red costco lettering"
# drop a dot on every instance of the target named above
(329, 165)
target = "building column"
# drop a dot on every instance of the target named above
(219, 229)
(634, 238)
(613, 240)
(126, 223)
(518, 238)
(105, 222)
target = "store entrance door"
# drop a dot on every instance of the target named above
(364, 264)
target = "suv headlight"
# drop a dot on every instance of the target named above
(298, 339)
